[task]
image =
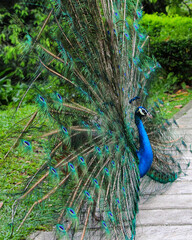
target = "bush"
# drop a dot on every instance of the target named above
(171, 43)
(164, 28)
(9, 92)
(19, 27)
(15, 40)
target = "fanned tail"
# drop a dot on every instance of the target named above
(84, 128)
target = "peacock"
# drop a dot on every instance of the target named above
(95, 128)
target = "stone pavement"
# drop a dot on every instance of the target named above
(167, 216)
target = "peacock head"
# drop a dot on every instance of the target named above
(141, 112)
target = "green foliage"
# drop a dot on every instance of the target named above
(20, 26)
(171, 44)
(8, 92)
(10, 39)
(171, 7)
(175, 57)
(164, 28)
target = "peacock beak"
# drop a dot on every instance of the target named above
(149, 115)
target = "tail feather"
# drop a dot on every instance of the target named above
(83, 126)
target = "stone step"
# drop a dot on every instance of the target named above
(173, 201)
(187, 178)
(162, 217)
(187, 132)
(164, 232)
(39, 235)
(176, 188)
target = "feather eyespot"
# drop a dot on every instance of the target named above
(61, 228)
(41, 99)
(53, 170)
(27, 143)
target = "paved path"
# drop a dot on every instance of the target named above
(168, 216)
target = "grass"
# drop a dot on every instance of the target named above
(14, 167)
(173, 102)
(16, 170)
(18, 167)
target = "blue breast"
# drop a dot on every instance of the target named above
(145, 153)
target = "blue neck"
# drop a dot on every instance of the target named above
(145, 153)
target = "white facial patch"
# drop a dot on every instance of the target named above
(142, 111)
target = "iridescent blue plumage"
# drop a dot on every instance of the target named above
(145, 153)
(26, 145)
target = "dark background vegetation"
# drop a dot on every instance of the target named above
(168, 23)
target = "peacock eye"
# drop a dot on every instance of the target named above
(59, 96)
(142, 111)
(61, 227)
(41, 99)
(53, 170)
